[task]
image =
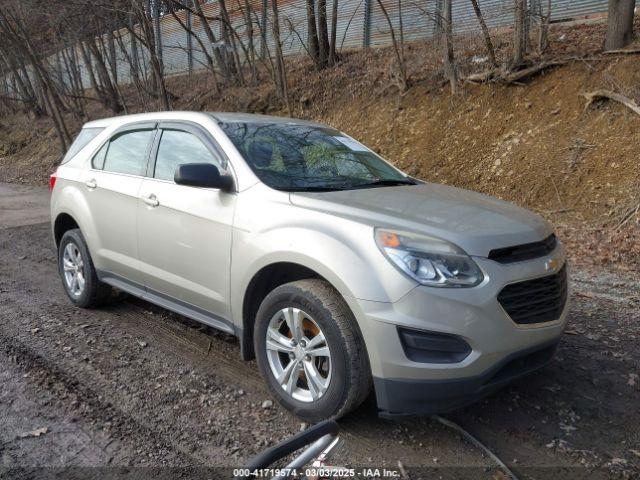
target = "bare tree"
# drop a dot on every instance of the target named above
(147, 37)
(280, 73)
(449, 60)
(333, 56)
(134, 70)
(519, 29)
(252, 47)
(620, 24)
(230, 47)
(22, 84)
(17, 37)
(323, 34)
(313, 46)
(203, 48)
(106, 89)
(543, 32)
(398, 48)
(485, 32)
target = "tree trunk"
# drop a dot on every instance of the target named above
(312, 33)
(485, 32)
(280, 71)
(148, 39)
(449, 59)
(22, 83)
(113, 61)
(397, 48)
(519, 28)
(323, 34)
(543, 34)
(205, 52)
(252, 44)
(620, 24)
(229, 38)
(224, 68)
(333, 56)
(108, 91)
(133, 67)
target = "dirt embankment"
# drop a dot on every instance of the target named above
(534, 144)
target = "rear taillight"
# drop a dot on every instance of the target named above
(52, 180)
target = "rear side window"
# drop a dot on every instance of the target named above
(83, 138)
(126, 153)
(178, 147)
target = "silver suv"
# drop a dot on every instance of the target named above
(335, 270)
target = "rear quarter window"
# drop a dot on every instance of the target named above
(81, 141)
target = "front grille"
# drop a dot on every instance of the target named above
(536, 301)
(526, 251)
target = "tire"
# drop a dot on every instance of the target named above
(345, 369)
(93, 293)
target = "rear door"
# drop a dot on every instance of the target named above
(112, 186)
(184, 233)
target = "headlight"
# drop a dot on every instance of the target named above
(428, 260)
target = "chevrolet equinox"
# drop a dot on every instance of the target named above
(337, 272)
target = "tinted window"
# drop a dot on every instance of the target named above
(83, 138)
(127, 152)
(303, 157)
(176, 148)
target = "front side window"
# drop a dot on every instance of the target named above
(83, 138)
(177, 148)
(302, 157)
(126, 153)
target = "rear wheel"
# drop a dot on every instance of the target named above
(77, 272)
(310, 351)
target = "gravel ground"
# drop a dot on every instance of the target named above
(133, 387)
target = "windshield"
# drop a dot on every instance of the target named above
(301, 157)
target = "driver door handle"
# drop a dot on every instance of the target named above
(151, 200)
(91, 184)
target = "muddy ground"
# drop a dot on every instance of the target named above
(135, 387)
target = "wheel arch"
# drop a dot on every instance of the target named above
(63, 223)
(265, 280)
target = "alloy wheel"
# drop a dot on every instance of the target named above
(73, 268)
(298, 354)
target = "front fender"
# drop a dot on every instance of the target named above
(346, 257)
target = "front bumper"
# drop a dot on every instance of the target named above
(501, 350)
(425, 397)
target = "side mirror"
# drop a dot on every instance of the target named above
(203, 175)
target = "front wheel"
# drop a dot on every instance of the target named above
(310, 350)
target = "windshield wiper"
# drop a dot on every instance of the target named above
(386, 183)
(310, 189)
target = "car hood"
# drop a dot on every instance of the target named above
(475, 222)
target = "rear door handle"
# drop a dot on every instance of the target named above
(151, 200)
(91, 184)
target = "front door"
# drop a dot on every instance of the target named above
(184, 233)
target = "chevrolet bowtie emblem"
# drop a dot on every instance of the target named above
(551, 265)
